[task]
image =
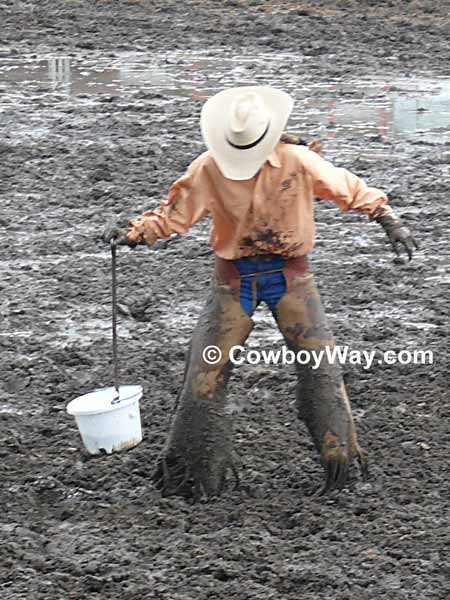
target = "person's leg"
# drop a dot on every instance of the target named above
(322, 399)
(198, 451)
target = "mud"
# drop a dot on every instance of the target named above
(102, 121)
(199, 449)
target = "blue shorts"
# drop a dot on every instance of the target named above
(265, 287)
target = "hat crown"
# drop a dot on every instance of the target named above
(241, 126)
(248, 119)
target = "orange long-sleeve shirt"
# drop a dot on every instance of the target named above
(270, 213)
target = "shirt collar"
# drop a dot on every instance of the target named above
(274, 160)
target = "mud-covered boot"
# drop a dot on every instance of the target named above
(198, 452)
(322, 400)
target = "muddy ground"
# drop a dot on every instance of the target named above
(73, 528)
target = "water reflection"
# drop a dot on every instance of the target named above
(387, 109)
(59, 73)
(424, 109)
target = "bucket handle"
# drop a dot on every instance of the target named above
(113, 244)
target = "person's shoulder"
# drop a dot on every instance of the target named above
(296, 149)
(202, 162)
(294, 153)
(202, 159)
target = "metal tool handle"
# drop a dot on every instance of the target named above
(114, 319)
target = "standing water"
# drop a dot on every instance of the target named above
(382, 106)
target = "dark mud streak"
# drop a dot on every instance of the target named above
(72, 528)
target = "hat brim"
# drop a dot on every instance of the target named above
(235, 163)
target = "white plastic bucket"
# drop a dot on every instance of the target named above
(107, 426)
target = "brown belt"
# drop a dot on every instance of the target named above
(262, 258)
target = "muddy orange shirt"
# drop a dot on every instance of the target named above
(270, 213)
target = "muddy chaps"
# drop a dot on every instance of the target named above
(198, 453)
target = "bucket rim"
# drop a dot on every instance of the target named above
(76, 408)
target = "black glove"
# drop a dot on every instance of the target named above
(398, 234)
(119, 234)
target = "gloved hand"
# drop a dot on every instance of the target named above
(114, 232)
(398, 234)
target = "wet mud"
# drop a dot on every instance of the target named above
(99, 107)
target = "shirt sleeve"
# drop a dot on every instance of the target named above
(186, 203)
(346, 189)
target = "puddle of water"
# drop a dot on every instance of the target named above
(33, 264)
(423, 326)
(383, 108)
(24, 334)
(196, 77)
(265, 332)
(185, 316)
(87, 331)
(445, 279)
(9, 409)
(386, 110)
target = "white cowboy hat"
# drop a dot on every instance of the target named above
(241, 126)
